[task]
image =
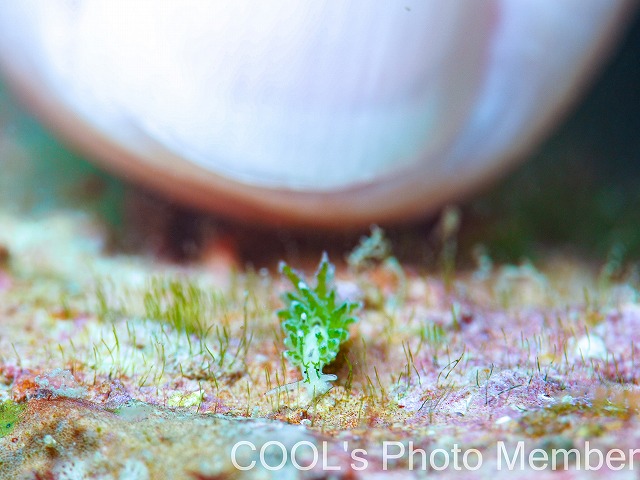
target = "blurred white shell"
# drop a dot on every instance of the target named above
(328, 113)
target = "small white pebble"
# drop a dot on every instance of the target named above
(305, 422)
(49, 441)
(502, 420)
(591, 346)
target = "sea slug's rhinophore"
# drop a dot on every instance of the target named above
(325, 113)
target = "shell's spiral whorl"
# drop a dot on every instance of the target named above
(333, 114)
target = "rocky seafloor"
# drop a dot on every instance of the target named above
(486, 370)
